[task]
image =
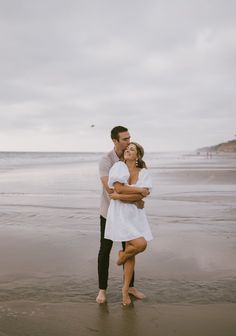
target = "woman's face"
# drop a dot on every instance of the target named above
(131, 152)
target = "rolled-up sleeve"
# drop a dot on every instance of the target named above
(104, 166)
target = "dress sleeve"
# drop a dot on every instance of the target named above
(118, 173)
(146, 179)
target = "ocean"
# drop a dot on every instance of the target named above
(49, 227)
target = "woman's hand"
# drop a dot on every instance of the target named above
(145, 192)
(114, 196)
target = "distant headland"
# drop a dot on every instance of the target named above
(224, 147)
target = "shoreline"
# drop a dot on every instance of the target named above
(25, 318)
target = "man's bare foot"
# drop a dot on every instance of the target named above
(101, 297)
(133, 291)
(125, 298)
(121, 258)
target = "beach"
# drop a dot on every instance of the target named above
(49, 240)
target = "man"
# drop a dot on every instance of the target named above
(121, 139)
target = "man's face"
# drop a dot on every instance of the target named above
(124, 140)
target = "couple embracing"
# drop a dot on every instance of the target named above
(126, 182)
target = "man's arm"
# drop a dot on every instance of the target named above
(132, 198)
(129, 194)
(104, 180)
(125, 189)
(136, 199)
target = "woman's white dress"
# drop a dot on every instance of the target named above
(124, 220)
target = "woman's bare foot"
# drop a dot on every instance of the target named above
(133, 291)
(125, 297)
(101, 297)
(121, 258)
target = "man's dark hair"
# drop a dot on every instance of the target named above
(116, 130)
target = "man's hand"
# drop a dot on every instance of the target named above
(104, 180)
(145, 192)
(114, 196)
(139, 204)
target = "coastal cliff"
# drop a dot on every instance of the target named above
(225, 147)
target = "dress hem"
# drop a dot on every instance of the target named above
(132, 238)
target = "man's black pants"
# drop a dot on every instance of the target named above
(104, 257)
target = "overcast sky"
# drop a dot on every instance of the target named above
(165, 69)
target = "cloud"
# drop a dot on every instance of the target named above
(165, 69)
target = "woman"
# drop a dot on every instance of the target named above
(125, 222)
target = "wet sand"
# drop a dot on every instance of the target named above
(49, 239)
(23, 318)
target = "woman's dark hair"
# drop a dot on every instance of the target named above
(140, 151)
(116, 130)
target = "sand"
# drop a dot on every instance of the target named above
(23, 318)
(49, 240)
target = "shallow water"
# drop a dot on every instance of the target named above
(63, 289)
(50, 232)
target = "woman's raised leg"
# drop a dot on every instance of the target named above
(132, 248)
